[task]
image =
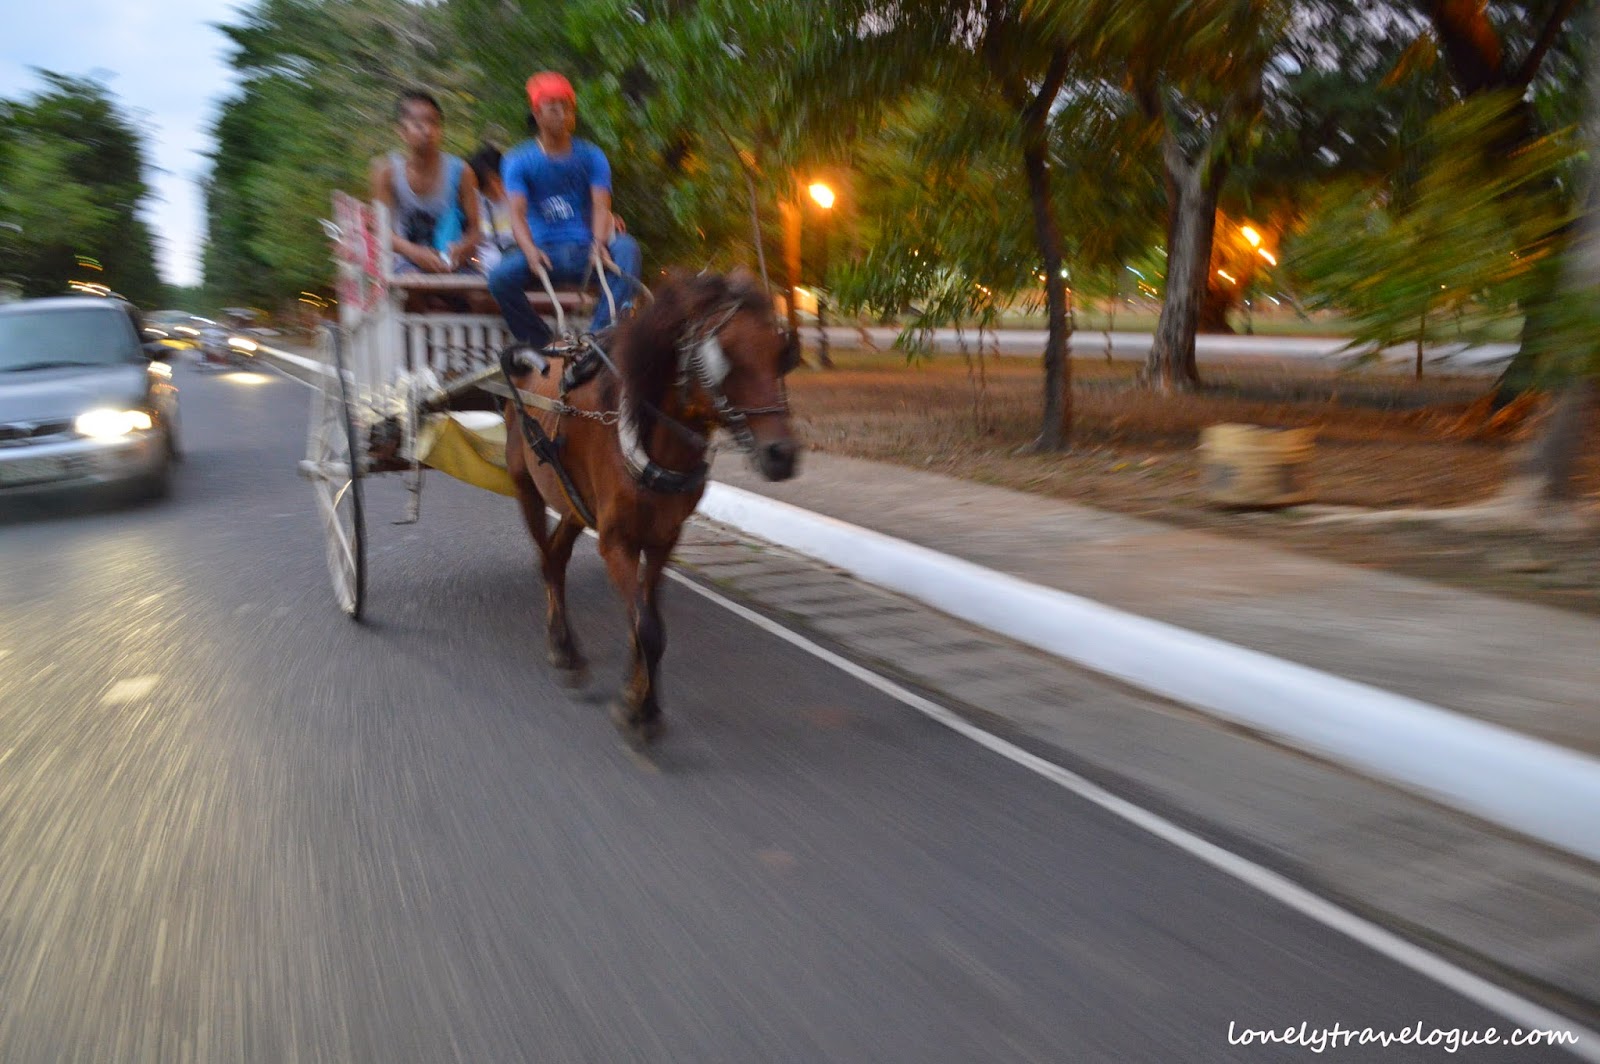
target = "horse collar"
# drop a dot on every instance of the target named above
(650, 475)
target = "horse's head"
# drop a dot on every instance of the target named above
(731, 358)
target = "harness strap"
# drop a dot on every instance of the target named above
(650, 475)
(543, 447)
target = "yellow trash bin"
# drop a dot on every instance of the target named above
(1252, 466)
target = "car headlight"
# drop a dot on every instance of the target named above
(111, 424)
(239, 343)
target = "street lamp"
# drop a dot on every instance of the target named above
(792, 208)
(822, 195)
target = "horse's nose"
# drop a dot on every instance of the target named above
(778, 459)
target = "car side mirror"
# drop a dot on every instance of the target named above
(157, 351)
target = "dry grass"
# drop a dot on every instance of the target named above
(1383, 440)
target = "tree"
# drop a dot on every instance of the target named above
(1397, 257)
(1199, 72)
(1005, 57)
(319, 83)
(936, 222)
(1525, 52)
(72, 180)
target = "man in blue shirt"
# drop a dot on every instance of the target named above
(559, 191)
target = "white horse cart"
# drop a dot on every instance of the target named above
(396, 390)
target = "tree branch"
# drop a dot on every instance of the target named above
(1547, 37)
(1039, 107)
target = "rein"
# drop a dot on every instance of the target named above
(701, 360)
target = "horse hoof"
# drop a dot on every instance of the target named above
(571, 670)
(637, 732)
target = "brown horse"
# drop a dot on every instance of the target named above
(708, 352)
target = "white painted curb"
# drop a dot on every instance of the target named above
(1538, 788)
(1087, 343)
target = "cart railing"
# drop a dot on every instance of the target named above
(386, 341)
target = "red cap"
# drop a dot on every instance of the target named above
(549, 85)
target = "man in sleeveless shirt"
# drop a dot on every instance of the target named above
(432, 195)
(559, 190)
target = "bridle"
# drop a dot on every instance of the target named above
(701, 360)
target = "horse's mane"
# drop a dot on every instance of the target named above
(647, 348)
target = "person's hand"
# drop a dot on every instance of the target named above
(539, 259)
(617, 223)
(433, 262)
(460, 255)
(602, 257)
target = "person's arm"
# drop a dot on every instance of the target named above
(520, 230)
(516, 188)
(462, 250)
(600, 209)
(600, 206)
(381, 181)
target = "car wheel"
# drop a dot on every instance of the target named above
(158, 485)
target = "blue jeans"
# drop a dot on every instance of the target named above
(510, 280)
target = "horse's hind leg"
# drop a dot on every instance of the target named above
(564, 653)
(637, 714)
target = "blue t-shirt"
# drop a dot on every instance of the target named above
(557, 188)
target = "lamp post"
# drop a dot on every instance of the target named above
(822, 196)
(792, 211)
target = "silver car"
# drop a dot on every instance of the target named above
(85, 398)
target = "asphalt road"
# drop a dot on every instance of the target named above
(234, 826)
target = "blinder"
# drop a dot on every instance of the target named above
(711, 362)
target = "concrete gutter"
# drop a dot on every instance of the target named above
(1540, 789)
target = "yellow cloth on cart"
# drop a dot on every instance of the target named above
(468, 445)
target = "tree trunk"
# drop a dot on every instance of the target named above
(1215, 306)
(1111, 311)
(1171, 364)
(1547, 464)
(789, 211)
(1544, 469)
(1057, 424)
(1476, 56)
(1540, 317)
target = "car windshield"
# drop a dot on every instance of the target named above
(71, 336)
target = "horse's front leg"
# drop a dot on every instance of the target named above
(564, 653)
(636, 714)
(649, 634)
(555, 550)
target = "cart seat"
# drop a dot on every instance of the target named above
(572, 297)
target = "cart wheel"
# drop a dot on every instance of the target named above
(336, 479)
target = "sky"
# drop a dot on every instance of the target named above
(166, 65)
